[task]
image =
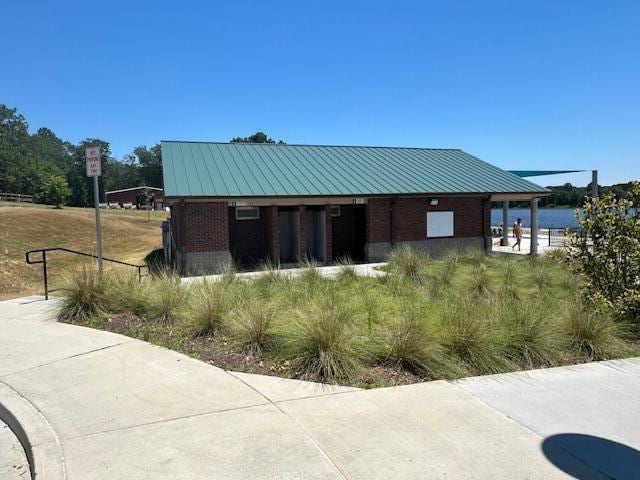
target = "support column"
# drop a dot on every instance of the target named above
(534, 226)
(594, 183)
(505, 224)
(322, 232)
(303, 236)
(329, 234)
(272, 226)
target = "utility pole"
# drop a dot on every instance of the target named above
(594, 183)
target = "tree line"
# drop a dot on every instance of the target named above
(568, 195)
(52, 170)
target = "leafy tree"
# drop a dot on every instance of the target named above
(258, 137)
(607, 252)
(15, 158)
(54, 191)
(50, 149)
(150, 162)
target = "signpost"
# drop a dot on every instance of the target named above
(94, 169)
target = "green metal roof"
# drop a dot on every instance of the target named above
(209, 169)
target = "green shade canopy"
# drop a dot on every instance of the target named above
(540, 173)
(209, 169)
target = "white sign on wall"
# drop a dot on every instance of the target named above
(439, 224)
(94, 166)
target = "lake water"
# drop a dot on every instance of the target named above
(547, 217)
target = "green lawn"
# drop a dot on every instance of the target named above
(424, 320)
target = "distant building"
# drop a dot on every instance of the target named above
(132, 196)
(286, 203)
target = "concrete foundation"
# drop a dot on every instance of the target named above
(435, 247)
(200, 263)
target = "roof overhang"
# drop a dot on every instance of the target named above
(516, 197)
(346, 199)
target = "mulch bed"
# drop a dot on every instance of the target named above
(218, 351)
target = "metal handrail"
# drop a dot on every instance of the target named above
(43, 261)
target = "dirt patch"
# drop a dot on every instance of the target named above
(122, 322)
(386, 376)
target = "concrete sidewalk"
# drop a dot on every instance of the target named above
(107, 406)
(361, 269)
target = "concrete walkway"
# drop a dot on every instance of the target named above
(361, 269)
(97, 405)
(525, 246)
(13, 459)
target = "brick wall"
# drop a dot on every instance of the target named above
(200, 227)
(410, 217)
(212, 227)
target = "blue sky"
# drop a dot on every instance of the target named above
(521, 84)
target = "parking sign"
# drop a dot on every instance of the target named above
(94, 167)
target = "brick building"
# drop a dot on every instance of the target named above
(129, 196)
(249, 203)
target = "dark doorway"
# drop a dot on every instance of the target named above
(289, 224)
(349, 231)
(247, 236)
(316, 233)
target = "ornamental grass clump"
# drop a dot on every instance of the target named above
(508, 271)
(83, 296)
(228, 273)
(476, 258)
(370, 303)
(480, 283)
(407, 261)
(347, 272)
(126, 293)
(541, 277)
(166, 297)
(253, 327)
(321, 343)
(469, 335)
(529, 338)
(310, 273)
(593, 334)
(450, 266)
(270, 277)
(410, 343)
(205, 314)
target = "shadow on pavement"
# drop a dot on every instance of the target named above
(613, 459)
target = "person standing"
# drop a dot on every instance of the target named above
(517, 233)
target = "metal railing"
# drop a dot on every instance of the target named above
(558, 236)
(43, 261)
(555, 237)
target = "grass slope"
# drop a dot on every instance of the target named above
(126, 235)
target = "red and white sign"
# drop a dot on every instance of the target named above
(94, 166)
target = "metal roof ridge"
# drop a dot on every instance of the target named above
(310, 145)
